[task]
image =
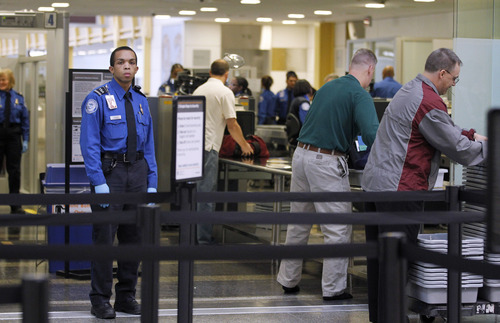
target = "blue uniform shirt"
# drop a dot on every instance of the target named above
(386, 88)
(18, 112)
(282, 102)
(104, 129)
(267, 105)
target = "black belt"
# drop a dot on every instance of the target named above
(121, 157)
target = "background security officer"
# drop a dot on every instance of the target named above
(118, 149)
(14, 125)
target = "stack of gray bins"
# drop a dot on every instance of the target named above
(428, 282)
(476, 177)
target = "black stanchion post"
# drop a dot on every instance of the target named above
(454, 248)
(35, 298)
(393, 269)
(149, 219)
(186, 237)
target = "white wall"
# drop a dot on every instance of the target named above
(299, 40)
(165, 50)
(202, 36)
(429, 26)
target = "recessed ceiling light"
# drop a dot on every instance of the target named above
(322, 12)
(424, 0)
(264, 19)
(223, 20)
(60, 5)
(187, 12)
(296, 16)
(46, 9)
(162, 17)
(289, 22)
(208, 9)
(250, 1)
(375, 5)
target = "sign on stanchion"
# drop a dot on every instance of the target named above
(188, 146)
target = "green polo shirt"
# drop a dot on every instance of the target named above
(341, 110)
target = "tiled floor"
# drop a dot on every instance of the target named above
(225, 291)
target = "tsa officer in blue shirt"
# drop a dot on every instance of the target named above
(285, 97)
(114, 165)
(14, 132)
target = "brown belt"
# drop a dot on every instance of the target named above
(320, 150)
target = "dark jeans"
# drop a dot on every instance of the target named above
(123, 178)
(11, 148)
(372, 234)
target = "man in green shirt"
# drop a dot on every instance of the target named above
(340, 110)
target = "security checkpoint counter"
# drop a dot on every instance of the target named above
(275, 169)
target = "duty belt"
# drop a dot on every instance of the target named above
(121, 157)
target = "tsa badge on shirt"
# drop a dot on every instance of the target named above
(91, 106)
(111, 102)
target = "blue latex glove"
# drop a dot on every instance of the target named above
(25, 147)
(151, 190)
(102, 189)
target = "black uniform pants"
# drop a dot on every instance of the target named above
(11, 149)
(372, 233)
(125, 177)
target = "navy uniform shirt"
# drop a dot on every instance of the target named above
(18, 112)
(282, 102)
(104, 129)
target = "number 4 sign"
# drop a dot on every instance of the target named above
(50, 20)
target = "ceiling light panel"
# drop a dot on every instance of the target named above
(208, 9)
(322, 12)
(296, 16)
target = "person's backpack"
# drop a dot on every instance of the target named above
(230, 148)
(292, 122)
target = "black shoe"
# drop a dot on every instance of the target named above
(131, 307)
(291, 290)
(103, 311)
(344, 295)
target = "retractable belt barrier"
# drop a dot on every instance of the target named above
(185, 253)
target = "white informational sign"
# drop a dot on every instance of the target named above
(189, 137)
(76, 156)
(82, 84)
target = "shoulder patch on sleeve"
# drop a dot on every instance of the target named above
(101, 90)
(91, 106)
(305, 106)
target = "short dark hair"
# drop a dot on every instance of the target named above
(290, 74)
(442, 59)
(266, 82)
(302, 87)
(112, 57)
(219, 67)
(364, 56)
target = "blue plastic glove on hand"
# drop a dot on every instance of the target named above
(102, 189)
(151, 190)
(25, 147)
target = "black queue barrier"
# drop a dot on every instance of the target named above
(32, 294)
(150, 252)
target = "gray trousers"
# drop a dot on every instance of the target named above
(317, 172)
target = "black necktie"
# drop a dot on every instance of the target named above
(6, 122)
(289, 98)
(132, 133)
